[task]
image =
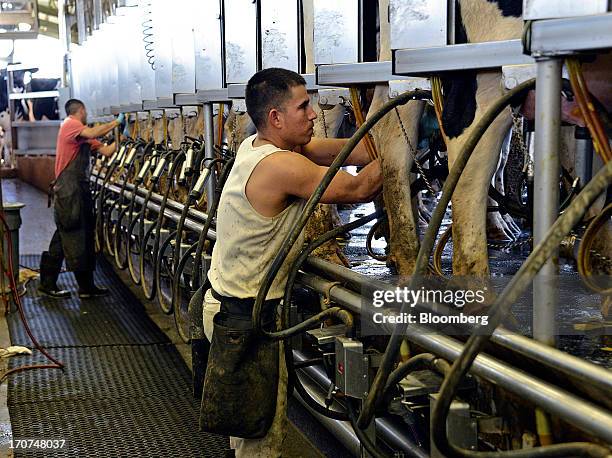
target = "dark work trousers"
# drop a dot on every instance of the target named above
(73, 239)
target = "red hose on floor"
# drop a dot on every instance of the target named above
(13, 287)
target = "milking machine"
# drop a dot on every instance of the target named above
(414, 392)
(345, 399)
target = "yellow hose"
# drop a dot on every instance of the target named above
(589, 113)
(584, 251)
(438, 100)
(359, 119)
(220, 125)
(543, 427)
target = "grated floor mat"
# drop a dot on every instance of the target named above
(125, 427)
(102, 372)
(124, 391)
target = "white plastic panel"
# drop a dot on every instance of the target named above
(336, 31)
(162, 30)
(546, 9)
(109, 69)
(131, 52)
(279, 34)
(240, 40)
(207, 42)
(418, 23)
(183, 52)
(119, 53)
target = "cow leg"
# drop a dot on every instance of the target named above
(500, 228)
(396, 162)
(470, 197)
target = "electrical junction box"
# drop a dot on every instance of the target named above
(351, 368)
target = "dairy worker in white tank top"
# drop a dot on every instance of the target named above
(275, 172)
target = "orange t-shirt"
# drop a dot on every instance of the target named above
(68, 143)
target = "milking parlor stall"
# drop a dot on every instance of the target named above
(394, 240)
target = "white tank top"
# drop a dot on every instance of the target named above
(247, 241)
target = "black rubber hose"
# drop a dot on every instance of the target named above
(519, 283)
(422, 262)
(176, 297)
(141, 216)
(192, 199)
(211, 210)
(176, 161)
(370, 237)
(110, 245)
(285, 317)
(102, 190)
(287, 331)
(293, 235)
(363, 437)
(130, 212)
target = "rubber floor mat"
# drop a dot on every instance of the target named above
(124, 390)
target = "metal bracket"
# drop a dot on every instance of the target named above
(462, 429)
(334, 96)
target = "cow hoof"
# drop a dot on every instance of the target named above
(516, 230)
(497, 229)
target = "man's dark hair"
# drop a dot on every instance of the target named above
(267, 89)
(72, 106)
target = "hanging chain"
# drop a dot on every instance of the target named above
(324, 122)
(517, 141)
(412, 151)
(234, 126)
(509, 245)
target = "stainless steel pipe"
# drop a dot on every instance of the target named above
(546, 195)
(572, 366)
(580, 413)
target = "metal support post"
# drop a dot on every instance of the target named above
(546, 193)
(209, 152)
(80, 14)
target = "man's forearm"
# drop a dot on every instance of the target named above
(103, 129)
(359, 155)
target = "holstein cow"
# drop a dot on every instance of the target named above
(396, 161)
(467, 95)
(21, 109)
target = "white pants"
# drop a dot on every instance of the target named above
(271, 445)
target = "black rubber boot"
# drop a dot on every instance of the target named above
(50, 269)
(87, 288)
